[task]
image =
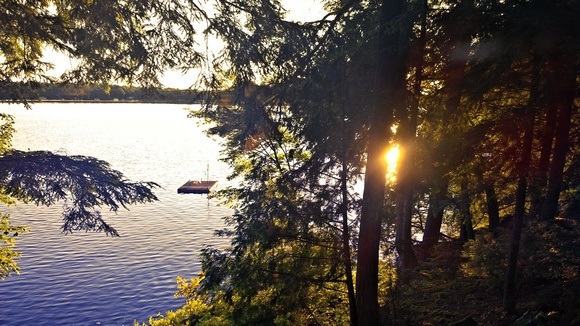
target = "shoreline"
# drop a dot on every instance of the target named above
(106, 101)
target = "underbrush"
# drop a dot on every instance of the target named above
(462, 284)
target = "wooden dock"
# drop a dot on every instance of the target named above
(196, 187)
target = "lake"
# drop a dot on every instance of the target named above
(92, 279)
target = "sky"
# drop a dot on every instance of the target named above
(298, 10)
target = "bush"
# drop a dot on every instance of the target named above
(196, 310)
(486, 257)
(548, 252)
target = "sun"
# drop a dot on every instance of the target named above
(392, 158)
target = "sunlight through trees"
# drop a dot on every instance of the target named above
(484, 95)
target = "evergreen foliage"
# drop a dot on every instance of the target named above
(112, 41)
(480, 96)
(8, 256)
(471, 101)
(83, 183)
(108, 41)
(471, 94)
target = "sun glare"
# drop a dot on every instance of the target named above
(303, 10)
(392, 158)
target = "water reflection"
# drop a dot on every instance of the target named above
(86, 278)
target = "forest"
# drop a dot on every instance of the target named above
(101, 92)
(474, 101)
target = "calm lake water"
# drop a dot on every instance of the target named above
(92, 279)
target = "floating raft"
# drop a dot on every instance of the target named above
(196, 187)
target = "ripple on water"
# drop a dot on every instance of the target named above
(90, 279)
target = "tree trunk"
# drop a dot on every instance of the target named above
(435, 216)
(346, 254)
(467, 232)
(370, 229)
(457, 58)
(390, 82)
(566, 87)
(404, 199)
(541, 174)
(348, 262)
(404, 215)
(406, 165)
(509, 294)
(492, 206)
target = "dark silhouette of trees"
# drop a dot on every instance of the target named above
(449, 82)
(391, 50)
(480, 96)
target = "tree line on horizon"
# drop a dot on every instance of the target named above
(103, 92)
(479, 96)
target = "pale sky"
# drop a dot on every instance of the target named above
(298, 10)
(303, 10)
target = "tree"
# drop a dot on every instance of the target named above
(294, 227)
(390, 89)
(289, 228)
(43, 178)
(112, 40)
(452, 50)
(563, 102)
(518, 81)
(324, 82)
(406, 137)
(311, 109)
(485, 108)
(526, 153)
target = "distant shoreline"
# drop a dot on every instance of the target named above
(107, 101)
(72, 93)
